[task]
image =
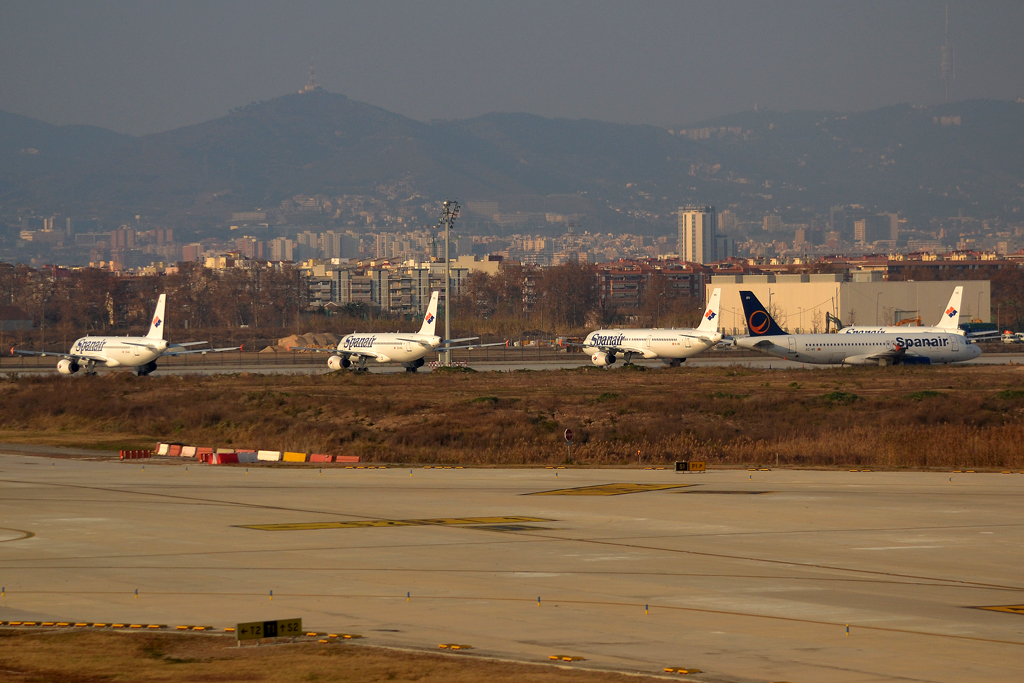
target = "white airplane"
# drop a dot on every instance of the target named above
(139, 353)
(398, 347)
(673, 346)
(949, 323)
(883, 348)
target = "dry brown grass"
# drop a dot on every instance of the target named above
(889, 418)
(34, 657)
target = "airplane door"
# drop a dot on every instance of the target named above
(136, 348)
(648, 341)
(955, 342)
(686, 342)
(792, 344)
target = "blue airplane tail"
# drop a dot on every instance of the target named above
(759, 321)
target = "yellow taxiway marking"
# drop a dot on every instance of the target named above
(609, 489)
(1012, 609)
(362, 524)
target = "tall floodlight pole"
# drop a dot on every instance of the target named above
(451, 212)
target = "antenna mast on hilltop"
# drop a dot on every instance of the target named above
(311, 83)
(948, 63)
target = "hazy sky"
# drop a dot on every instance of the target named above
(140, 67)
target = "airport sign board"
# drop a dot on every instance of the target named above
(281, 628)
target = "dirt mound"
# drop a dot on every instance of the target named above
(316, 340)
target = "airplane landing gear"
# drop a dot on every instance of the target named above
(413, 366)
(144, 370)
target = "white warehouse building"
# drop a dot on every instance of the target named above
(799, 302)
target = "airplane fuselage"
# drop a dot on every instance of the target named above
(116, 352)
(858, 349)
(389, 348)
(652, 342)
(896, 329)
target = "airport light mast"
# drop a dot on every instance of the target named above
(448, 216)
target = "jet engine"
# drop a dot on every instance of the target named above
(338, 362)
(603, 359)
(67, 367)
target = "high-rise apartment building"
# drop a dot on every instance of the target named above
(772, 222)
(698, 226)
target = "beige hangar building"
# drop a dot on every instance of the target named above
(799, 303)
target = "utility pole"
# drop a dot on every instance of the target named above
(450, 213)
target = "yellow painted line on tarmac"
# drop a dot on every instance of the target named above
(374, 523)
(609, 489)
(1012, 609)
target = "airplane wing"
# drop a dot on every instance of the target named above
(446, 341)
(706, 338)
(470, 346)
(988, 335)
(894, 353)
(151, 347)
(361, 353)
(68, 356)
(618, 349)
(174, 350)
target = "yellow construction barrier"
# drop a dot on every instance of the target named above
(293, 457)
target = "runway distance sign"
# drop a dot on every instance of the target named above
(282, 628)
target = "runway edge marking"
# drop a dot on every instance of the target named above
(375, 523)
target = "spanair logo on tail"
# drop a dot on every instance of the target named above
(157, 322)
(710, 315)
(950, 312)
(429, 318)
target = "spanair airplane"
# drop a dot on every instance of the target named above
(673, 346)
(405, 348)
(949, 323)
(139, 353)
(883, 348)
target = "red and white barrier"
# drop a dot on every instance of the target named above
(136, 455)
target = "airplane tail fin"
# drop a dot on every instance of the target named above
(759, 321)
(156, 328)
(950, 319)
(709, 323)
(430, 319)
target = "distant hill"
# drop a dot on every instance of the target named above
(926, 161)
(31, 149)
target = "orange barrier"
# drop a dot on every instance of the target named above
(319, 457)
(136, 455)
(346, 458)
(174, 449)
